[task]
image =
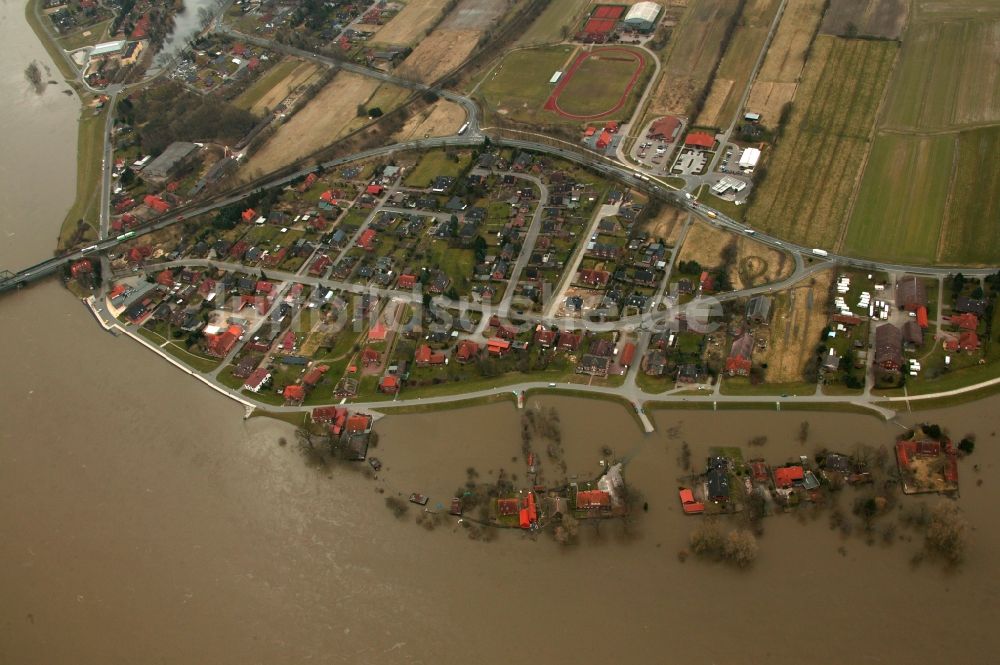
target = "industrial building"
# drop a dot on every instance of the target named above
(642, 16)
(749, 158)
(726, 183)
(176, 156)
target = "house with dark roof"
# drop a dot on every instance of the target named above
(759, 309)
(966, 305)
(911, 293)
(888, 347)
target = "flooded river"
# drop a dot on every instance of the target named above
(144, 521)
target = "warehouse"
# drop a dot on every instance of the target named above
(749, 158)
(642, 16)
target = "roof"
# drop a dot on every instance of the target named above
(666, 126)
(643, 11)
(162, 166)
(592, 499)
(107, 48)
(749, 158)
(785, 476)
(700, 140)
(625, 358)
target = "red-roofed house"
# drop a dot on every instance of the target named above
(967, 341)
(377, 332)
(707, 282)
(249, 215)
(664, 129)
(425, 356)
(287, 342)
(467, 351)
(308, 182)
(611, 126)
(590, 131)
(314, 376)
(358, 422)
(922, 316)
(699, 140)
(367, 240)
(406, 281)
(625, 357)
(568, 341)
(263, 287)
(320, 265)
(326, 415)
(786, 476)
(370, 357)
(374, 190)
(593, 499)
(508, 507)
(592, 277)
(156, 203)
(222, 344)
(967, 321)
(81, 267)
(389, 384)
(294, 394)
(256, 380)
(165, 278)
(497, 347)
(604, 140)
(327, 197)
(545, 337)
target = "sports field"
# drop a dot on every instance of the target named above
(901, 204)
(597, 84)
(518, 88)
(810, 181)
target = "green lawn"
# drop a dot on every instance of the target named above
(455, 262)
(77, 39)
(974, 206)
(742, 386)
(437, 163)
(90, 144)
(901, 203)
(519, 87)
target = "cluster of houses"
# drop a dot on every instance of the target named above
(925, 465)
(532, 508)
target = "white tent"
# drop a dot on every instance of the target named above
(749, 158)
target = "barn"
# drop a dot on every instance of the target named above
(642, 16)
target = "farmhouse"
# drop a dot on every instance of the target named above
(911, 293)
(888, 347)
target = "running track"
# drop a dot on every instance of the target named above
(553, 102)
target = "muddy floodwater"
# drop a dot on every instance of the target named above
(144, 521)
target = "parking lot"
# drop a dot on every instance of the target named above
(655, 154)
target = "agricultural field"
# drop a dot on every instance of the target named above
(737, 63)
(437, 163)
(970, 227)
(272, 88)
(519, 86)
(947, 76)
(815, 167)
(410, 24)
(439, 54)
(786, 56)
(866, 18)
(555, 23)
(328, 116)
(901, 204)
(692, 56)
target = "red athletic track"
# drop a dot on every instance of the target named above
(552, 104)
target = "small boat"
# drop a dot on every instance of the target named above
(418, 499)
(375, 463)
(456, 507)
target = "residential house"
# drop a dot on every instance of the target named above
(738, 363)
(256, 380)
(911, 293)
(593, 365)
(759, 309)
(424, 356)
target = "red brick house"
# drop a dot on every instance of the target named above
(467, 351)
(425, 356)
(294, 394)
(389, 384)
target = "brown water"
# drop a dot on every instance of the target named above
(143, 521)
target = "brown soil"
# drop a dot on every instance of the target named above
(300, 76)
(717, 97)
(411, 23)
(440, 119)
(328, 116)
(667, 225)
(439, 54)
